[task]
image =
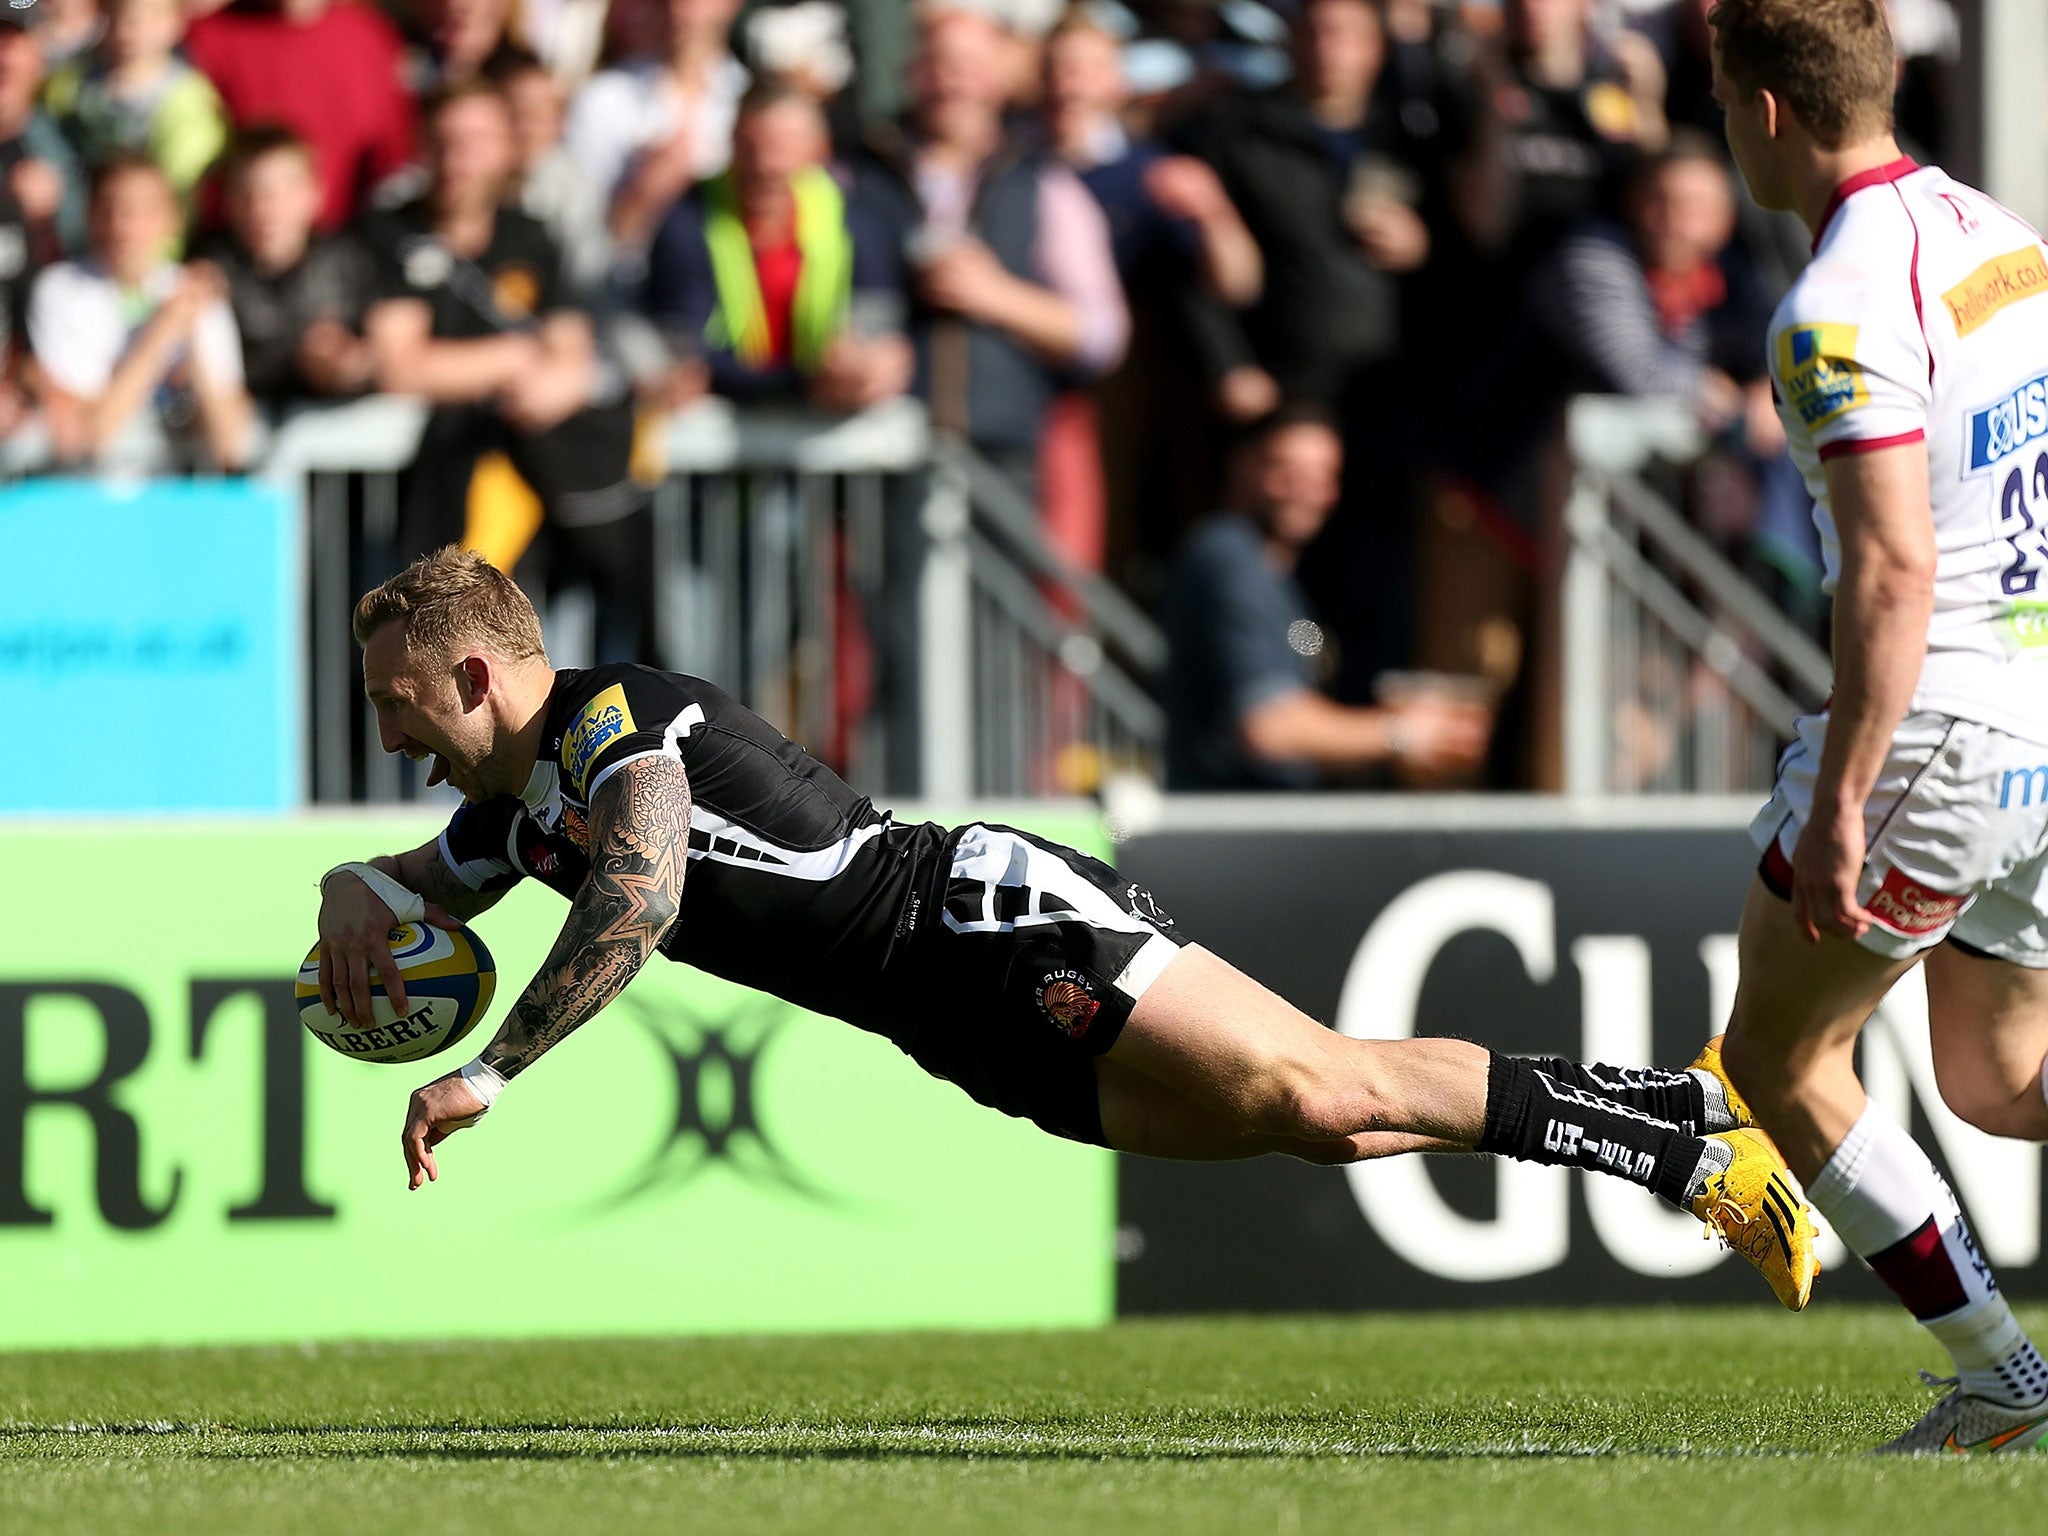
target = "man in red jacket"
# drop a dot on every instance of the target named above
(329, 69)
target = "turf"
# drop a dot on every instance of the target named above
(1661, 1420)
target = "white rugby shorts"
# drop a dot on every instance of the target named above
(1955, 833)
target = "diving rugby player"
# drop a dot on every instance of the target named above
(677, 821)
(1909, 825)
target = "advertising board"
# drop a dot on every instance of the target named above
(1605, 933)
(181, 1164)
(150, 646)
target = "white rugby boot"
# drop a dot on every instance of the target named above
(1963, 1424)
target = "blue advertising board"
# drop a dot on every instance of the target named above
(150, 646)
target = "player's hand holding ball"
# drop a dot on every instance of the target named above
(355, 938)
(353, 995)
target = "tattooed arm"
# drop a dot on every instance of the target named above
(639, 850)
(425, 871)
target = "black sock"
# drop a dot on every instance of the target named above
(1674, 1096)
(1533, 1116)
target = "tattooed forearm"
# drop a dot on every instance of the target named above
(639, 850)
(423, 870)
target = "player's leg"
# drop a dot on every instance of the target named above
(1989, 1020)
(1147, 1118)
(1069, 964)
(1791, 1045)
(1236, 1050)
(1790, 1050)
(1088, 961)
(1697, 1099)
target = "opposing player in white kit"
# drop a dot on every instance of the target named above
(1910, 821)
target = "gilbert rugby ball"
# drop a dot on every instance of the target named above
(449, 979)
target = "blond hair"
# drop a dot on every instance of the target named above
(453, 598)
(1831, 61)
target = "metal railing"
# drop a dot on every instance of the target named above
(1055, 699)
(1679, 675)
(883, 595)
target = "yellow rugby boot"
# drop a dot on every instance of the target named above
(1731, 1108)
(1754, 1207)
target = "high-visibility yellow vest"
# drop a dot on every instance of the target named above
(824, 285)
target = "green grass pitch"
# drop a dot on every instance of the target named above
(1662, 1421)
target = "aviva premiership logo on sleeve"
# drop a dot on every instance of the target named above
(604, 719)
(1817, 372)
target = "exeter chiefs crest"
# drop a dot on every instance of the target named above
(1068, 1001)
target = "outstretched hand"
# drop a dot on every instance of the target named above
(437, 1111)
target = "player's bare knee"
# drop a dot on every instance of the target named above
(1278, 1099)
(1302, 1097)
(1323, 1104)
(2016, 1111)
(2018, 1120)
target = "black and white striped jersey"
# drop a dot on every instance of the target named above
(797, 884)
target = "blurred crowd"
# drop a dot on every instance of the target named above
(1270, 306)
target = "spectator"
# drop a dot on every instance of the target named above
(133, 92)
(459, 39)
(474, 315)
(1434, 99)
(1187, 261)
(39, 168)
(765, 267)
(1652, 308)
(330, 70)
(298, 295)
(1243, 706)
(1014, 287)
(1331, 201)
(551, 187)
(1776, 244)
(1576, 109)
(1158, 204)
(138, 355)
(1333, 178)
(1014, 275)
(1667, 305)
(648, 130)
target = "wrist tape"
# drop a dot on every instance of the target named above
(486, 1079)
(406, 906)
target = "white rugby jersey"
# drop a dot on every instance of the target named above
(1924, 317)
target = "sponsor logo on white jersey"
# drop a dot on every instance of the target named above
(2008, 426)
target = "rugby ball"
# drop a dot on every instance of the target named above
(449, 979)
